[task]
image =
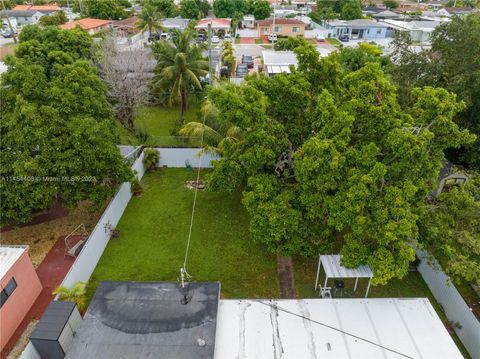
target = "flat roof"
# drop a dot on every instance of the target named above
(290, 329)
(333, 268)
(147, 320)
(53, 321)
(8, 256)
(279, 58)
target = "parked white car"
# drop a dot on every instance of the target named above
(272, 37)
(215, 39)
(228, 37)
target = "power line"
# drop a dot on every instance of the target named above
(335, 329)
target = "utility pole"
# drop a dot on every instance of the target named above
(9, 23)
(210, 76)
(273, 25)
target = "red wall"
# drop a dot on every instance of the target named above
(21, 300)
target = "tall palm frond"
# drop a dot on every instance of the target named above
(77, 294)
(149, 19)
(180, 66)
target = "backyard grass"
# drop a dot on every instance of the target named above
(259, 41)
(159, 122)
(412, 285)
(153, 237)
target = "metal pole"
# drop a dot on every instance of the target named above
(318, 272)
(9, 23)
(368, 287)
(210, 77)
(273, 25)
(326, 278)
(356, 282)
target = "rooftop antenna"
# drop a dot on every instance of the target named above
(184, 286)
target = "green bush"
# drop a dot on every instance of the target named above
(151, 157)
(136, 186)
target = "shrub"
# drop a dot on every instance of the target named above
(151, 157)
(136, 186)
(77, 294)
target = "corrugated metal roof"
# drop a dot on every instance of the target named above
(8, 256)
(289, 329)
(333, 268)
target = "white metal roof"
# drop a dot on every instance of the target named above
(250, 329)
(8, 256)
(279, 58)
(333, 268)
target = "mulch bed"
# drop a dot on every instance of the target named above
(54, 212)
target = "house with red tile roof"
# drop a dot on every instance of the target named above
(92, 26)
(218, 24)
(44, 9)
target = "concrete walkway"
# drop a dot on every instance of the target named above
(285, 277)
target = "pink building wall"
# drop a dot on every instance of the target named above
(19, 303)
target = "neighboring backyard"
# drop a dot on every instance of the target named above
(153, 237)
(160, 123)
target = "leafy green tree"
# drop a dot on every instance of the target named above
(441, 67)
(57, 18)
(149, 19)
(391, 4)
(204, 7)
(58, 135)
(352, 59)
(351, 9)
(180, 66)
(326, 154)
(229, 8)
(261, 9)
(450, 225)
(189, 9)
(103, 9)
(290, 43)
(165, 7)
(228, 56)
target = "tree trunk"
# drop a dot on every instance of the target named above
(184, 100)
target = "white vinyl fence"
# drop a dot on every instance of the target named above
(457, 311)
(88, 258)
(30, 352)
(180, 157)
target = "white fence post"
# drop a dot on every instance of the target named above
(455, 307)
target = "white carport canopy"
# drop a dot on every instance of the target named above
(333, 269)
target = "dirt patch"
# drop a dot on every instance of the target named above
(54, 212)
(41, 237)
(195, 184)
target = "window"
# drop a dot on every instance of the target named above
(379, 31)
(7, 291)
(277, 29)
(265, 30)
(295, 29)
(26, 18)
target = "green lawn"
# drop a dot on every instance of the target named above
(333, 41)
(153, 236)
(412, 285)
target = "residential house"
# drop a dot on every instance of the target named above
(192, 322)
(248, 22)
(218, 25)
(436, 5)
(126, 26)
(178, 23)
(19, 18)
(92, 26)
(411, 6)
(358, 29)
(44, 9)
(282, 27)
(420, 31)
(459, 11)
(386, 14)
(19, 288)
(277, 62)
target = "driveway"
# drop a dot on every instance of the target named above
(247, 49)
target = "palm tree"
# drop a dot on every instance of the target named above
(150, 19)
(180, 66)
(77, 294)
(217, 133)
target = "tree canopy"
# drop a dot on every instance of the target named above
(103, 9)
(229, 8)
(165, 7)
(189, 9)
(58, 135)
(441, 67)
(58, 18)
(327, 155)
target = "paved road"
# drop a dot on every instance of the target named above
(248, 49)
(4, 41)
